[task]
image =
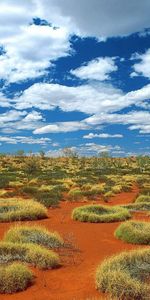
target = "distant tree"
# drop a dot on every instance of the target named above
(69, 152)
(20, 153)
(42, 154)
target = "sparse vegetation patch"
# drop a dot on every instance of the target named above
(100, 214)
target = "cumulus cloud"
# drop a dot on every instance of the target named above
(142, 67)
(136, 119)
(21, 61)
(92, 135)
(62, 127)
(97, 69)
(13, 120)
(86, 98)
(24, 140)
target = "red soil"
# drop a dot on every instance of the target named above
(75, 279)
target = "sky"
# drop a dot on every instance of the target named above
(75, 73)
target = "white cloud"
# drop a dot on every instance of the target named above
(62, 127)
(21, 60)
(102, 136)
(136, 119)
(24, 140)
(14, 120)
(87, 98)
(97, 69)
(142, 68)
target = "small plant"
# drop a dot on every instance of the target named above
(35, 235)
(75, 194)
(29, 253)
(14, 278)
(125, 276)
(142, 198)
(18, 209)
(137, 206)
(100, 214)
(134, 232)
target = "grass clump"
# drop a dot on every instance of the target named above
(35, 235)
(14, 278)
(29, 253)
(125, 276)
(100, 214)
(134, 232)
(137, 206)
(142, 198)
(18, 209)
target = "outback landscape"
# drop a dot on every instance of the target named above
(74, 228)
(75, 150)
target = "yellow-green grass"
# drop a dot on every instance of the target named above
(137, 206)
(33, 254)
(100, 214)
(142, 198)
(18, 209)
(125, 276)
(14, 278)
(35, 235)
(134, 232)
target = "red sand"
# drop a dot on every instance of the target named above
(75, 279)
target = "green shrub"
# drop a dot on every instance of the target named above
(30, 253)
(33, 234)
(117, 189)
(50, 198)
(4, 181)
(141, 206)
(14, 278)
(134, 232)
(75, 194)
(18, 209)
(142, 198)
(100, 213)
(29, 189)
(125, 276)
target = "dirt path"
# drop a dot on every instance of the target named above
(75, 279)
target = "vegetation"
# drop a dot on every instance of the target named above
(139, 206)
(134, 232)
(143, 198)
(19, 209)
(29, 253)
(14, 278)
(125, 276)
(35, 235)
(100, 214)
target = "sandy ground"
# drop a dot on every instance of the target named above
(75, 280)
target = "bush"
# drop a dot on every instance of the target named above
(100, 213)
(75, 194)
(18, 209)
(14, 278)
(33, 234)
(117, 189)
(29, 190)
(4, 181)
(134, 232)
(142, 198)
(141, 206)
(50, 198)
(125, 276)
(33, 254)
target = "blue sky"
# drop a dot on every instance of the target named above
(75, 74)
